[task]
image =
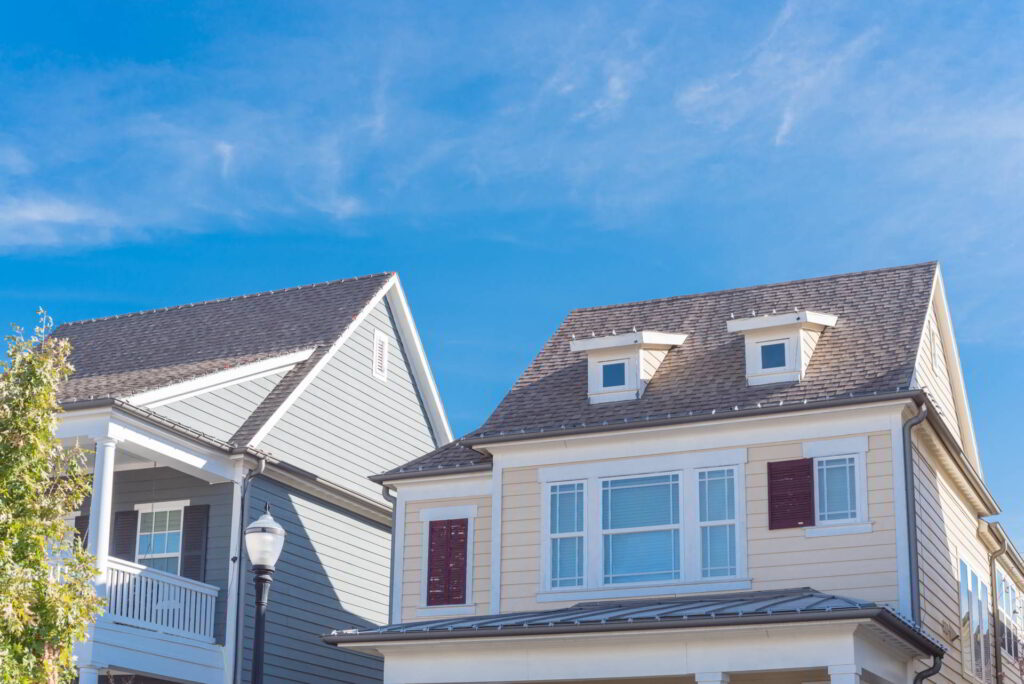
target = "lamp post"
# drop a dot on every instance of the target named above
(264, 539)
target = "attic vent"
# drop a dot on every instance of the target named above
(380, 355)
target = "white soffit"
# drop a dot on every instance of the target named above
(801, 318)
(644, 338)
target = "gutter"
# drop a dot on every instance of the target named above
(882, 616)
(911, 498)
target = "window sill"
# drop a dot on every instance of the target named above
(623, 591)
(835, 530)
(455, 609)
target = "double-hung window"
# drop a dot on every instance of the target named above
(836, 488)
(614, 525)
(976, 632)
(1009, 618)
(159, 538)
(640, 529)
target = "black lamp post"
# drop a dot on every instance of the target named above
(264, 539)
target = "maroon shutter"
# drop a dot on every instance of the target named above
(82, 528)
(790, 493)
(126, 527)
(446, 561)
(194, 522)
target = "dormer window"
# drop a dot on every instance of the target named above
(619, 366)
(779, 346)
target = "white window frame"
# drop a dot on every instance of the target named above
(734, 521)
(565, 535)
(157, 507)
(597, 360)
(1013, 598)
(756, 373)
(967, 659)
(625, 374)
(428, 515)
(631, 530)
(383, 344)
(849, 447)
(691, 571)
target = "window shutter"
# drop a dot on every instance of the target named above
(82, 528)
(126, 527)
(194, 524)
(446, 561)
(790, 493)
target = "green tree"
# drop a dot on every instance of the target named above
(47, 600)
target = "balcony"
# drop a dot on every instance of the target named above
(150, 599)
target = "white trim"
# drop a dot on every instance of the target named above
(319, 365)
(645, 338)
(644, 465)
(428, 515)
(646, 589)
(802, 318)
(381, 346)
(854, 447)
(836, 529)
(233, 589)
(858, 444)
(497, 475)
(443, 487)
(162, 506)
(398, 567)
(899, 498)
(217, 380)
(418, 362)
(155, 507)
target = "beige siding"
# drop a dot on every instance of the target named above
(413, 553)
(650, 360)
(809, 340)
(932, 373)
(856, 565)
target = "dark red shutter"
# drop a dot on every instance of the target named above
(82, 528)
(126, 527)
(447, 542)
(194, 522)
(790, 493)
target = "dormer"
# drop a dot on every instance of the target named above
(619, 366)
(779, 346)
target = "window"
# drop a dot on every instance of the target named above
(773, 355)
(640, 524)
(159, 538)
(613, 374)
(976, 636)
(567, 535)
(380, 355)
(1009, 620)
(717, 492)
(611, 528)
(448, 542)
(836, 488)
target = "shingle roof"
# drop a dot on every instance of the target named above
(696, 611)
(871, 350)
(123, 355)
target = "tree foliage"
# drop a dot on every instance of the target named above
(47, 599)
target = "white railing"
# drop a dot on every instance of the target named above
(159, 601)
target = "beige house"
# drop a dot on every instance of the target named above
(770, 484)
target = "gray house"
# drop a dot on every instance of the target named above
(201, 414)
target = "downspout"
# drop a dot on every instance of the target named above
(933, 670)
(995, 608)
(911, 497)
(386, 493)
(261, 465)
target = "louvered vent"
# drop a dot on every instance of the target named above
(380, 355)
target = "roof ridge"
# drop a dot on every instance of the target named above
(226, 299)
(754, 287)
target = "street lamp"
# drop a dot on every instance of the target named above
(264, 539)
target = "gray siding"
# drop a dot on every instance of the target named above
(153, 485)
(333, 574)
(347, 424)
(221, 412)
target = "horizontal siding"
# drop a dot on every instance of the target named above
(932, 374)
(333, 574)
(412, 579)
(347, 424)
(221, 412)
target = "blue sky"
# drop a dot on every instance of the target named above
(515, 160)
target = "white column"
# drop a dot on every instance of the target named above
(99, 509)
(844, 674)
(712, 678)
(88, 675)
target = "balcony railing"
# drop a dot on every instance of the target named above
(159, 601)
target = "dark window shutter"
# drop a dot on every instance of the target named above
(446, 561)
(790, 493)
(126, 527)
(82, 528)
(194, 523)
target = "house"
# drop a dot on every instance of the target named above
(200, 415)
(772, 484)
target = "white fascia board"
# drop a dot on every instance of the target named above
(319, 366)
(418, 362)
(166, 448)
(217, 380)
(801, 318)
(643, 338)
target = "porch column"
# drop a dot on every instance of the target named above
(712, 678)
(99, 509)
(844, 674)
(88, 675)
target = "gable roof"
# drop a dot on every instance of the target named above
(123, 355)
(871, 351)
(708, 610)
